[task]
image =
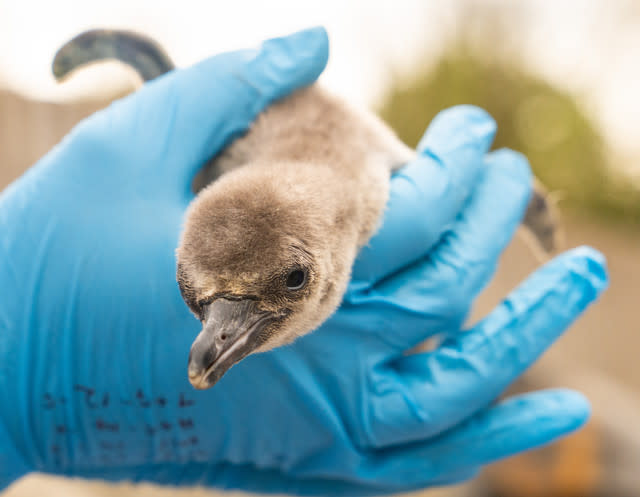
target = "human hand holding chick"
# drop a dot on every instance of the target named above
(95, 335)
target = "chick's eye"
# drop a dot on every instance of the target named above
(296, 279)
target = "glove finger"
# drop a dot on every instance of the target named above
(424, 394)
(471, 250)
(512, 426)
(439, 289)
(427, 195)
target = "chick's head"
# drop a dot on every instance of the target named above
(263, 259)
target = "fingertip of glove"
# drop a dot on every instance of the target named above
(511, 161)
(555, 412)
(513, 169)
(566, 410)
(458, 127)
(308, 46)
(590, 265)
(575, 279)
(573, 406)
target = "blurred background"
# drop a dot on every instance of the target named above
(561, 79)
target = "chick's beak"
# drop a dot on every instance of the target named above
(231, 330)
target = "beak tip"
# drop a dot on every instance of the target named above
(199, 382)
(197, 377)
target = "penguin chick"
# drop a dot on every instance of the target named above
(269, 241)
(274, 240)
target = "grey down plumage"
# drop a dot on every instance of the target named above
(280, 214)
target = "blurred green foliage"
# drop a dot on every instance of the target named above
(563, 146)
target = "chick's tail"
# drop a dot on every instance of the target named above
(138, 51)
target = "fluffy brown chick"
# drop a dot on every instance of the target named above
(277, 237)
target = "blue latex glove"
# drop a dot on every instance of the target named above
(94, 336)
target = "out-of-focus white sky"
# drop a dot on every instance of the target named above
(591, 47)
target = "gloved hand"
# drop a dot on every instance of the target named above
(94, 336)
